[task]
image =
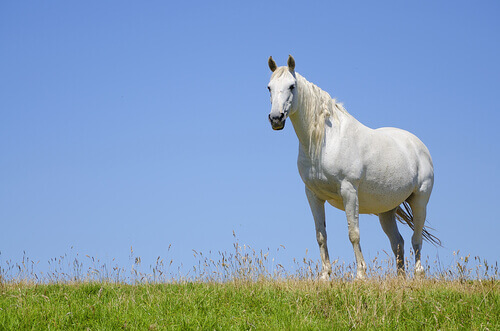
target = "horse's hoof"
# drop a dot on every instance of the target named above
(324, 277)
(360, 276)
(420, 273)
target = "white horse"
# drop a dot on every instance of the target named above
(353, 167)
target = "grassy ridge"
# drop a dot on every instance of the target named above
(246, 289)
(267, 304)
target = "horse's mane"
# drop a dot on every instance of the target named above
(316, 107)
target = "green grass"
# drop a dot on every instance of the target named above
(246, 290)
(266, 304)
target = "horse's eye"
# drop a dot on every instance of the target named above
(292, 87)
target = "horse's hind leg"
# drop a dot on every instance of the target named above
(388, 223)
(418, 204)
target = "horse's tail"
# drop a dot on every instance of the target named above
(405, 216)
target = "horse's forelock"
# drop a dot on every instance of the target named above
(280, 72)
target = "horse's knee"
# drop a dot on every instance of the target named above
(354, 236)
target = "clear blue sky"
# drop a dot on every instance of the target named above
(145, 124)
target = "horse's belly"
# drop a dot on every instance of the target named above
(379, 201)
(337, 202)
(372, 204)
(373, 197)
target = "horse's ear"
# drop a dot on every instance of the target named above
(272, 64)
(291, 63)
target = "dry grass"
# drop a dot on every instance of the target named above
(243, 263)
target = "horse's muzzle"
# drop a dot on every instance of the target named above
(277, 122)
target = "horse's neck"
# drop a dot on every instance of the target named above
(302, 130)
(311, 115)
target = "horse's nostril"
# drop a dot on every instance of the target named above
(276, 118)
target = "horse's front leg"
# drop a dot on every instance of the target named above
(318, 210)
(351, 205)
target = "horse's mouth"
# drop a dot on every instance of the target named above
(278, 127)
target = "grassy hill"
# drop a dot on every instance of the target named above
(265, 305)
(244, 290)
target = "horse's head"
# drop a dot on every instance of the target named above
(282, 87)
